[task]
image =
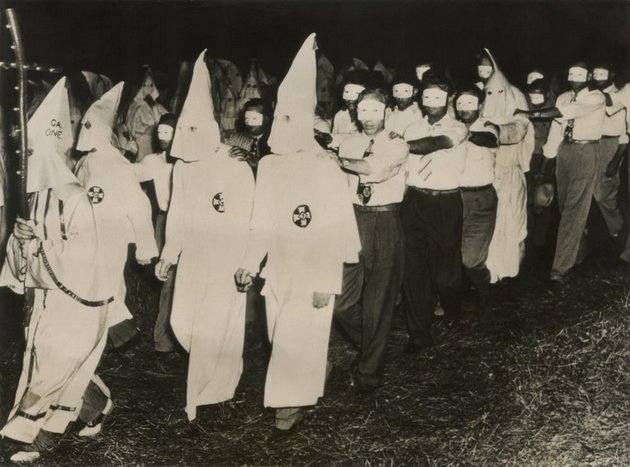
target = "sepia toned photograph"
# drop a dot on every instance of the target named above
(315, 232)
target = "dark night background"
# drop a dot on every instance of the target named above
(116, 37)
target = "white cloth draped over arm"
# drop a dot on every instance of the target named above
(175, 227)
(138, 211)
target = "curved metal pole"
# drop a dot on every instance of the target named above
(16, 36)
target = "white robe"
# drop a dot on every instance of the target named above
(206, 233)
(512, 161)
(123, 216)
(64, 338)
(304, 222)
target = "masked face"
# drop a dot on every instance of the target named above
(254, 122)
(371, 114)
(165, 136)
(351, 94)
(601, 78)
(467, 107)
(434, 102)
(403, 94)
(149, 88)
(536, 98)
(577, 77)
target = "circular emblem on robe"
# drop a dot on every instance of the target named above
(96, 194)
(302, 215)
(217, 203)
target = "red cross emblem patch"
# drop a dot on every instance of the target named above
(302, 215)
(96, 194)
(217, 203)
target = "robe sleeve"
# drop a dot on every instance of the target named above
(343, 239)
(138, 211)
(514, 131)
(14, 268)
(175, 228)
(262, 226)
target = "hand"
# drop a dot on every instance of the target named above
(23, 229)
(162, 269)
(394, 135)
(321, 300)
(323, 139)
(611, 168)
(143, 261)
(239, 153)
(244, 280)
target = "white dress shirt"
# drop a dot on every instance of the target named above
(479, 167)
(442, 169)
(399, 120)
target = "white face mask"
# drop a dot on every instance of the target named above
(484, 71)
(533, 76)
(369, 110)
(421, 70)
(467, 103)
(536, 98)
(253, 118)
(434, 97)
(165, 132)
(600, 74)
(577, 74)
(351, 91)
(402, 91)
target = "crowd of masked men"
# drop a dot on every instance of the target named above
(409, 193)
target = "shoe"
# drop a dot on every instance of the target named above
(95, 426)
(287, 418)
(24, 457)
(557, 276)
(439, 311)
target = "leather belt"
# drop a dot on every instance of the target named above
(476, 188)
(581, 141)
(428, 191)
(383, 208)
(610, 136)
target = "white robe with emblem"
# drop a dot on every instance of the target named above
(304, 222)
(64, 338)
(123, 216)
(206, 234)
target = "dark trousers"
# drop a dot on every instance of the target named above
(433, 261)
(480, 214)
(365, 307)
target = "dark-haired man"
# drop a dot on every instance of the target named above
(431, 214)
(250, 144)
(376, 177)
(406, 112)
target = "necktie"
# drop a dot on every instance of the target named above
(568, 130)
(364, 192)
(254, 148)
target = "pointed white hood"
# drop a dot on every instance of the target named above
(502, 99)
(292, 128)
(148, 87)
(197, 132)
(97, 123)
(50, 140)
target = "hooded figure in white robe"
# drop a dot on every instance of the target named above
(516, 143)
(206, 235)
(122, 210)
(144, 114)
(67, 330)
(251, 88)
(303, 221)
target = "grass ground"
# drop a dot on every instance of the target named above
(541, 377)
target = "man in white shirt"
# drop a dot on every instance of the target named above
(406, 112)
(157, 168)
(574, 141)
(431, 215)
(612, 146)
(376, 178)
(479, 196)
